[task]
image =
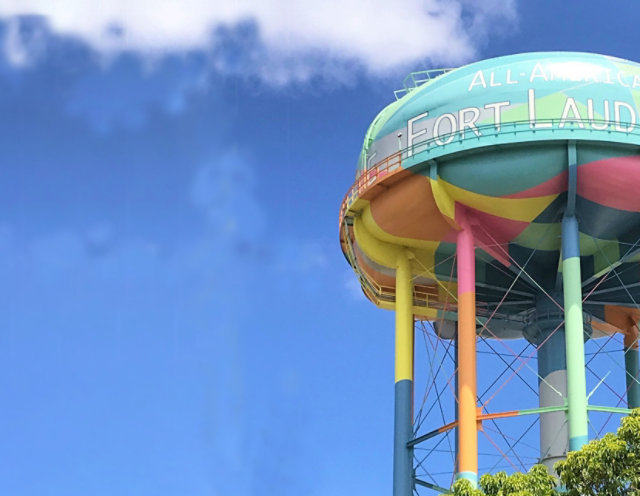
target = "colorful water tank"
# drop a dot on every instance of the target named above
(502, 199)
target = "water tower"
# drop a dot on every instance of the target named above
(500, 203)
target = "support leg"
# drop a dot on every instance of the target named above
(402, 454)
(574, 334)
(467, 394)
(632, 368)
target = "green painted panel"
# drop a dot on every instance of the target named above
(508, 170)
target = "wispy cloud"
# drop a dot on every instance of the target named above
(289, 40)
(224, 190)
(23, 42)
(128, 91)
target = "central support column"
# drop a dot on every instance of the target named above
(547, 334)
(467, 394)
(574, 334)
(403, 428)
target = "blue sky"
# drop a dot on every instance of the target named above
(177, 317)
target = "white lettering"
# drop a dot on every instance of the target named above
(509, 80)
(622, 81)
(478, 80)
(636, 81)
(538, 72)
(590, 115)
(532, 113)
(632, 117)
(452, 129)
(497, 112)
(471, 124)
(411, 136)
(608, 80)
(492, 83)
(570, 106)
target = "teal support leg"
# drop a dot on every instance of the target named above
(403, 455)
(632, 368)
(574, 334)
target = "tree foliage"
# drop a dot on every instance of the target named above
(537, 482)
(609, 466)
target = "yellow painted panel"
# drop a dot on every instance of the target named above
(518, 209)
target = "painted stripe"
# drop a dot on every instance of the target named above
(425, 248)
(520, 209)
(408, 210)
(553, 186)
(470, 476)
(600, 179)
(575, 443)
(445, 203)
(378, 251)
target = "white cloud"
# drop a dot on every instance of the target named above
(21, 46)
(379, 35)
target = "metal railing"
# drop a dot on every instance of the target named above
(416, 79)
(393, 163)
(377, 292)
(370, 176)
